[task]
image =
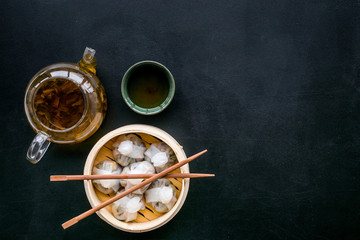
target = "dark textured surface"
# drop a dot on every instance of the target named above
(271, 88)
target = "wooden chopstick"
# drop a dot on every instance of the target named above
(117, 197)
(59, 178)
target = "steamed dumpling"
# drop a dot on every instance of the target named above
(128, 149)
(126, 208)
(107, 167)
(161, 195)
(160, 155)
(143, 167)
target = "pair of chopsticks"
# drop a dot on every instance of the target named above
(150, 179)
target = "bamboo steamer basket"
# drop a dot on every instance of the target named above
(148, 219)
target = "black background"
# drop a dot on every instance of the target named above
(270, 88)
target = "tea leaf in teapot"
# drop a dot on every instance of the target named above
(59, 103)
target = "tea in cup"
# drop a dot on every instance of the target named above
(148, 87)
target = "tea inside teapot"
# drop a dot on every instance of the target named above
(59, 103)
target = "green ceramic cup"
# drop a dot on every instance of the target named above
(148, 87)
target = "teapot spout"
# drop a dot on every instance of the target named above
(88, 61)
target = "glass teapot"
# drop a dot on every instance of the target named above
(64, 103)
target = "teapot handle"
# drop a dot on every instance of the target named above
(38, 147)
